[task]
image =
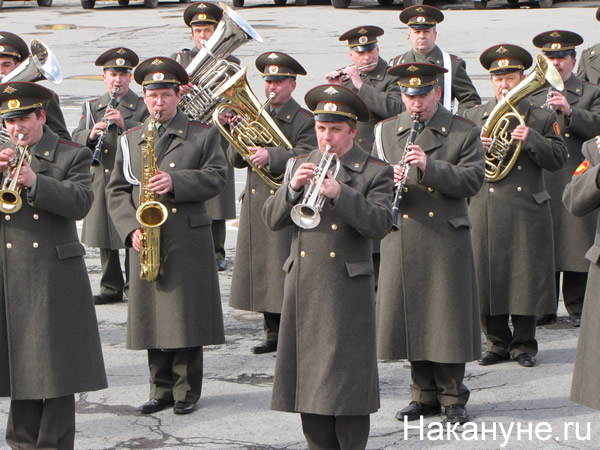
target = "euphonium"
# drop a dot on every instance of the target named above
(10, 195)
(209, 69)
(254, 128)
(40, 65)
(151, 214)
(307, 213)
(501, 120)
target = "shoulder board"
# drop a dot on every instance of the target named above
(388, 119)
(465, 120)
(590, 84)
(132, 129)
(376, 160)
(301, 156)
(94, 99)
(200, 124)
(306, 112)
(71, 143)
(456, 57)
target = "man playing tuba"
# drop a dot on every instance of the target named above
(512, 226)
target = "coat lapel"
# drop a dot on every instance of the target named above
(44, 151)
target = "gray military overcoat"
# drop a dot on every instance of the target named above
(257, 283)
(98, 229)
(49, 341)
(589, 64)
(582, 197)
(326, 357)
(512, 225)
(573, 236)
(427, 307)
(182, 308)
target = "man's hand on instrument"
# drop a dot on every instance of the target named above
(520, 133)
(305, 172)
(259, 157)
(225, 118)
(114, 115)
(6, 157)
(135, 239)
(354, 75)
(398, 173)
(27, 176)
(97, 130)
(486, 141)
(186, 88)
(335, 77)
(416, 157)
(330, 187)
(161, 183)
(560, 102)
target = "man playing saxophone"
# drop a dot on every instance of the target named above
(178, 313)
(433, 324)
(203, 18)
(128, 112)
(512, 226)
(257, 283)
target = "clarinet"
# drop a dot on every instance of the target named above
(402, 182)
(102, 134)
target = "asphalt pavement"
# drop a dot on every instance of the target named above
(511, 406)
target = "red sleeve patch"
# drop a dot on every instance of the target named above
(556, 128)
(582, 168)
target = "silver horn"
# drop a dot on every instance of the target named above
(40, 65)
(307, 214)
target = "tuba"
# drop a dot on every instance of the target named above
(10, 195)
(40, 65)
(151, 214)
(254, 127)
(505, 117)
(209, 69)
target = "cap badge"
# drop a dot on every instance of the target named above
(120, 62)
(362, 31)
(331, 90)
(157, 62)
(501, 49)
(273, 69)
(503, 62)
(420, 9)
(1, 48)
(273, 56)
(421, 19)
(121, 51)
(9, 90)
(556, 46)
(415, 81)
(555, 34)
(412, 68)
(200, 16)
(13, 103)
(363, 40)
(158, 76)
(330, 107)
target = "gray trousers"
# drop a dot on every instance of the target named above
(176, 375)
(503, 341)
(335, 432)
(271, 326)
(48, 423)
(436, 383)
(112, 282)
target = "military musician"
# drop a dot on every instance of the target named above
(102, 121)
(589, 64)
(178, 313)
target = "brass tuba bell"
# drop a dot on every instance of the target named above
(505, 117)
(40, 65)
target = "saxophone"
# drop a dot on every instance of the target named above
(151, 214)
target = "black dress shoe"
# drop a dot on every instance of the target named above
(457, 414)
(545, 319)
(265, 347)
(526, 360)
(490, 358)
(415, 410)
(221, 265)
(183, 407)
(154, 405)
(103, 299)
(575, 319)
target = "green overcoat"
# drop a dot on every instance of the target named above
(589, 64)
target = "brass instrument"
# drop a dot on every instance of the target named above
(307, 213)
(501, 120)
(40, 65)
(253, 128)
(400, 186)
(341, 70)
(98, 149)
(151, 214)
(209, 69)
(10, 195)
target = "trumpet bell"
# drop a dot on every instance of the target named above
(10, 201)
(305, 216)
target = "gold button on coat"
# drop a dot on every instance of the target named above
(7, 217)
(272, 192)
(519, 189)
(405, 216)
(36, 216)
(431, 214)
(303, 253)
(491, 189)
(334, 226)
(253, 191)
(174, 210)
(172, 164)
(36, 245)
(332, 254)
(8, 245)
(106, 170)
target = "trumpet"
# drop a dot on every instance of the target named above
(98, 148)
(342, 73)
(10, 195)
(307, 214)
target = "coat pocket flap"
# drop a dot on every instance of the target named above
(198, 220)
(541, 197)
(593, 254)
(358, 268)
(70, 250)
(287, 265)
(462, 221)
